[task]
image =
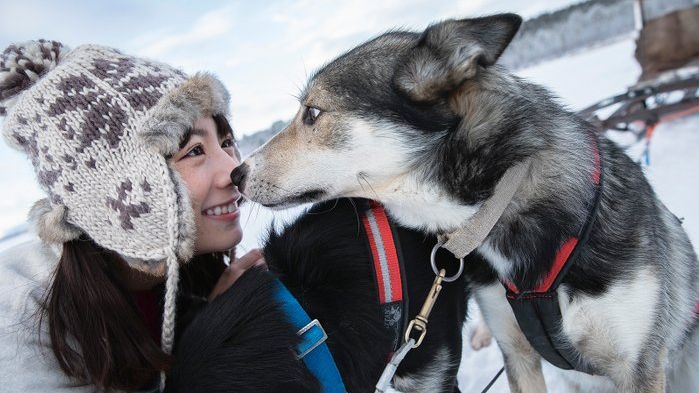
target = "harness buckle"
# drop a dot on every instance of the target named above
(312, 336)
(419, 324)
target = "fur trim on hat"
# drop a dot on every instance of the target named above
(176, 112)
(50, 223)
(187, 230)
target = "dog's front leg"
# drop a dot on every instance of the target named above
(655, 383)
(522, 362)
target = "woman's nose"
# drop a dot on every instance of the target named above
(224, 166)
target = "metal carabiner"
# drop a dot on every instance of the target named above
(419, 324)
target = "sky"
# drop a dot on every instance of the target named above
(263, 51)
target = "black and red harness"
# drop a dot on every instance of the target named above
(388, 270)
(537, 309)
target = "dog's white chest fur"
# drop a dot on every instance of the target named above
(418, 205)
(613, 324)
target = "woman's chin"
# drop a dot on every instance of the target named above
(218, 241)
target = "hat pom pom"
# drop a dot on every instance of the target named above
(21, 65)
(49, 222)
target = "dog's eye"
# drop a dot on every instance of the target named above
(311, 115)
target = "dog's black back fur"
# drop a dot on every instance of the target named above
(237, 341)
(324, 260)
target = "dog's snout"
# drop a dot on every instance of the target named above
(239, 174)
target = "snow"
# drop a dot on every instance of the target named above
(579, 80)
(673, 162)
(588, 76)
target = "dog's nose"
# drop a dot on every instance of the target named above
(239, 174)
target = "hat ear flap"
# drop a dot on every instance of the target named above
(451, 52)
(50, 223)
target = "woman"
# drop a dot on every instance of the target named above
(135, 158)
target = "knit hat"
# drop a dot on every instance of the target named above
(98, 127)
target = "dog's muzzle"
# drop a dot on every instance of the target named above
(239, 175)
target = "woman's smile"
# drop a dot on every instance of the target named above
(227, 211)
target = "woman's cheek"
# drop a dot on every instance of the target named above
(197, 194)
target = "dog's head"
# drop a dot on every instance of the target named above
(367, 118)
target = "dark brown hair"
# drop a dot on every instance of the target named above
(223, 129)
(96, 332)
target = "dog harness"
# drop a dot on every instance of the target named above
(312, 349)
(537, 310)
(393, 297)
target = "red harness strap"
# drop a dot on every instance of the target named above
(383, 249)
(562, 257)
(564, 252)
(537, 309)
(387, 269)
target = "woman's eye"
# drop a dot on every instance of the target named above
(229, 142)
(311, 115)
(195, 151)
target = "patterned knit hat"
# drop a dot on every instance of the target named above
(98, 126)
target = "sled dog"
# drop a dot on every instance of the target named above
(427, 123)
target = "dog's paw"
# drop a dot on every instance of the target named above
(480, 336)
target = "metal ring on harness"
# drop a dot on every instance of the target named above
(434, 264)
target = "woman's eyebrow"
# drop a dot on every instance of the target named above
(193, 131)
(198, 131)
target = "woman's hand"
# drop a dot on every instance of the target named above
(236, 269)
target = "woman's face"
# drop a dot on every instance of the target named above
(205, 162)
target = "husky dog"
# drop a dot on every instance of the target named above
(427, 124)
(324, 259)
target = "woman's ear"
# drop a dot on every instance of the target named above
(451, 52)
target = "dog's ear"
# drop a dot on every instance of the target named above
(450, 52)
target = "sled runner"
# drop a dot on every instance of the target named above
(673, 93)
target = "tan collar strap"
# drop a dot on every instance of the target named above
(466, 238)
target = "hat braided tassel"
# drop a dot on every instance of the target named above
(168, 328)
(167, 336)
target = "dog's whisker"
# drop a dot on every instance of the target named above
(359, 181)
(247, 219)
(363, 176)
(356, 215)
(280, 187)
(325, 211)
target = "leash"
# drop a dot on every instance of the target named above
(460, 243)
(465, 239)
(418, 326)
(492, 381)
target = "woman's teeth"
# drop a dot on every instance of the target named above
(218, 210)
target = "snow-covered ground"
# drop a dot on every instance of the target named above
(579, 79)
